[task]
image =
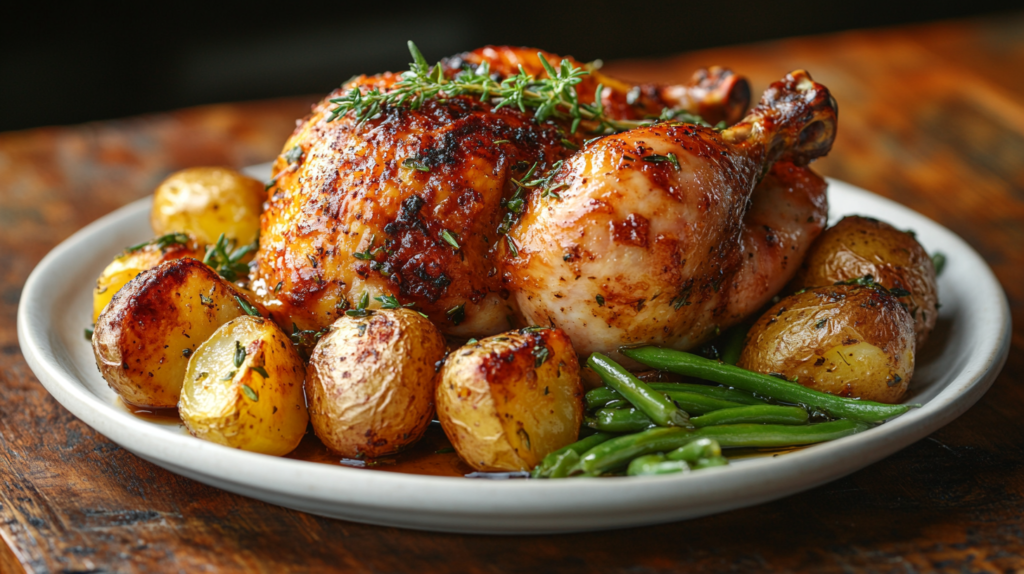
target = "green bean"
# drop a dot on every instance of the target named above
(692, 403)
(696, 450)
(652, 403)
(694, 366)
(655, 464)
(732, 343)
(579, 447)
(710, 462)
(764, 414)
(619, 420)
(715, 392)
(617, 452)
(565, 462)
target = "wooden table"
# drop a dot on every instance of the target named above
(931, 116)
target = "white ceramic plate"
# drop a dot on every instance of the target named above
(962, 358)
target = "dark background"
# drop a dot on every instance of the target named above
(83, 62)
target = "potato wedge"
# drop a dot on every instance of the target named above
(859, 246)
(209, 201)
(370, 382)
(845, 340)
(507, 401)
(137, 259)
(243, 389)
(143, 340)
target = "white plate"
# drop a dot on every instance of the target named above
(962, 358)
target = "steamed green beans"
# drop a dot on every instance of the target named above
(652, 403)
(633, 420)
(579, 447)
(692, 403)
(618, 452)
(694, 366)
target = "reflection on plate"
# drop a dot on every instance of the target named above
(962, 358)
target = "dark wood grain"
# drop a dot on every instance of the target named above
(930, 116)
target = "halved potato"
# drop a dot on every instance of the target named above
(370, 382)
(859, 246)
(845, 340)
(243, 389)
(137, 259)
(507, 401)
(209, 201)
(143, 340)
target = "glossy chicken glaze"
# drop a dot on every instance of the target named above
(636, 250)
(375, 208)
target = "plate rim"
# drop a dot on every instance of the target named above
(438, 503)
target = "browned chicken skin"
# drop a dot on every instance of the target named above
(409, 204)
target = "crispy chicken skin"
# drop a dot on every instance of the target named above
(408, 204)
(638, 250)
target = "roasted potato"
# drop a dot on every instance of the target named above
(209, 201)
(135, 260)
(507, 401)
(859, 246)
(370, 382)
(143, 340)
(243, 388)
(846, 340)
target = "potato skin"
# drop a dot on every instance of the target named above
(370, 382)
(143, 340)
(859, 246)
(272, 418)
(208, 201)
(127, 266)
(845, 340)
(507, 401)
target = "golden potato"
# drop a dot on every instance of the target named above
(209, 201)
(845, 340)
(137, 259)
(370, 382)
(859, 246)
(143, 340)
(243, 389)
(507, 401)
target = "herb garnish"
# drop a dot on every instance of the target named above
(251, 394)
(249, 309)
(161, 242)
(239, 354)
(551, 97)
(457, 314)
(226, 260)
(361, 310)
(262, 371)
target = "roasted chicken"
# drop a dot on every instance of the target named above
(658, 234)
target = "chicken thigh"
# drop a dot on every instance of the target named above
(647, 239)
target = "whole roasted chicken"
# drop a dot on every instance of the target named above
(630, 222)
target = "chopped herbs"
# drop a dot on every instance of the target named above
(249, 309)
(205, 300)
(186, 352)
(226, 260)
(293, 155)
(229, 376)
(456, 314)
(415, 163)
(444, 450)
(939, 262)
(306, 337)
(471, 341)
(277, 288)
(239, 354)
(88, 333)
(361, 328)
(600, 301)
(501, 141)
(512, 246)
(162, 242)
(540, 354)
(450, 238)
(249, 393)
(262, 371)
(361, 310)
(668, 158)
(820, 323)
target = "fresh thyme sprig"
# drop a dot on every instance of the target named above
(227, 260)
(551, 97)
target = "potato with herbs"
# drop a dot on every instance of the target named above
(507, 401)
(370, 381)
(138, 258)
(207, 202)
(846, 340)
(243, 389)
(860, 246)
(144, 339)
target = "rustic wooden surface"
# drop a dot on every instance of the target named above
(931, 116)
